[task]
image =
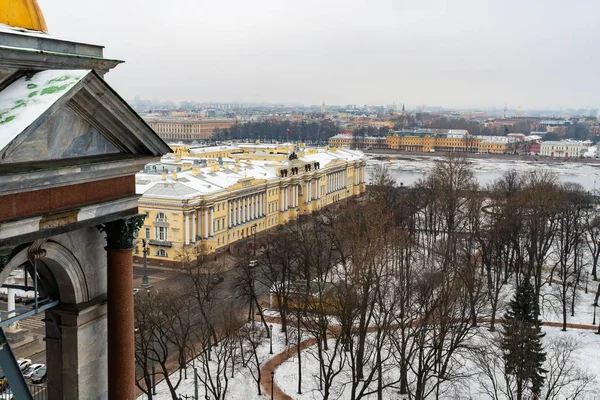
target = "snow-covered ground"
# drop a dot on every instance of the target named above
(584, 357)
(242, 386)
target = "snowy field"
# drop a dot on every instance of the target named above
(585, 357)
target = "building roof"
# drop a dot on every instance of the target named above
(43, 118)
(208, 179)
(26, 99)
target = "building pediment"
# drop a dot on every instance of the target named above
(69, 114)
(66, 127)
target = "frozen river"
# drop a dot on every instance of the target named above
(409, 169)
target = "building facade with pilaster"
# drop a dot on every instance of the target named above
(191, 200)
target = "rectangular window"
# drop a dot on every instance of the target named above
(162, 234)
(147, 236)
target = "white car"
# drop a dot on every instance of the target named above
(31, 369)
(23, 363)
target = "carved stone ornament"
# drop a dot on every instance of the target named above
(120, 233)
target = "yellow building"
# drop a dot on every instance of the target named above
(492, 147)
(191, 198)
(455, 142)
(423, 143)
(362, 142)
(187, 128)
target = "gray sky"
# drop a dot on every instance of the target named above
(452, 53)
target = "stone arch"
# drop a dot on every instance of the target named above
(65, 268)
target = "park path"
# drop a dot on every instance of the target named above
(277, 360)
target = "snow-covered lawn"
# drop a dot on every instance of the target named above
(242, 386)
(585, 358)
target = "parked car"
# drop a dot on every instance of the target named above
(3, 381)
(23, 363)
(7, 394)
(32, 369)
(39, 376)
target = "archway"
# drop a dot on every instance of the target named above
(63, 266)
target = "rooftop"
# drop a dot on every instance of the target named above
(186, 177)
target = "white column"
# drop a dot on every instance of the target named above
(11, 302)
(247, 209)
(238, 218)
(287, 197)
(212, 221)
(264, 203)
(233, 221)
(280, 199)
(205, 223)
(194, 226)
(242, 210)
(187, 228)
(256, 206)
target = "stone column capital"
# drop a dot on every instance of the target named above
(120, 233)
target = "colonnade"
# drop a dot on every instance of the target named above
(336, 181)
(247, 208)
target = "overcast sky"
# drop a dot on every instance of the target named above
(453, 53)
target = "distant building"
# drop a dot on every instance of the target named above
(215, 196)
(187, 128)
(564, 148)
(360, 142)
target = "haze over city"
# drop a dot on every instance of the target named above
(535, 54)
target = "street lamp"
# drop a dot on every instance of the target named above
(145, 252)
(271, 339)
(254, 239)
(251, 266)
(272, 383)
(594, 321)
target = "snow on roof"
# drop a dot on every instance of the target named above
(206, 183)
(210, 149)
(189, 184)
(26, 99)
(22, 31)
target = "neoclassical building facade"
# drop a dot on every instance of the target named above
(191, 200)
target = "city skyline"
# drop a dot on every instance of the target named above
(460, 55)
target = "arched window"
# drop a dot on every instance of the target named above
(162, 253)
(161, 217)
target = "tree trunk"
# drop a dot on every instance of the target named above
(299, 358)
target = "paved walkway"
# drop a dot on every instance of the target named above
(279, 359)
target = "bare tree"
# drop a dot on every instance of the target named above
(569, 240)
(251, 339)
(213, 367)
(564, 378)
(159, 337)
(592, 238)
